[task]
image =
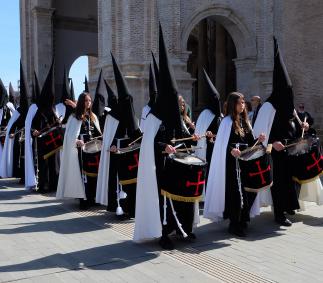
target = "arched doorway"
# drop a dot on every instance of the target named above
(211, 47)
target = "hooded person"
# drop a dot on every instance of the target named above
(64, 110)
(72, 91)
(86, 85)
(158, 213)
(152, 97)
(100, 102)
(117, 193)
(12, 161)
(40, 118)
(276, 119)
(12, 95)
(208, 121)
(78, 171)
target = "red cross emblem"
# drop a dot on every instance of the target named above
(96, 163)
(136, 157)
(260, 172)
(197, 184)
(53, 139)
(316, 163)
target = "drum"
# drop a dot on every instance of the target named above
(305, 159)
(127, 163)
(91, 157)
(184, 177)
(256, 169)
(50, 142)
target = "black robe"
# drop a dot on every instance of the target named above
(47, 174)
(283, 190)
(233, 209)
(184, 210)
(18, 148)
(88, 131)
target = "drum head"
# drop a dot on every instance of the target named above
(186, 158)
(252, 153)
(93, 146)
(128, 149)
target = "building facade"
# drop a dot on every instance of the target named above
(231, 39)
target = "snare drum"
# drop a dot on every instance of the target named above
(50, 142)
(91, 157)
(184, 177)
(256, 169)
(305, 159)
(127, 163)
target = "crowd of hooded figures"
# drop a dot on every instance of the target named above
(162, 169)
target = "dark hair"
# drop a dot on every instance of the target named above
(80, 110)
(240, 121)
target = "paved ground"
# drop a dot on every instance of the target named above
(42, 240)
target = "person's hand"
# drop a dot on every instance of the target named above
(79, 143)
(70, 103)
(36, 133)
(170, 149)
(113, 149)
(11, 136)
(305, 126)
(262, 137)
(278, 146)
(195, 137)
(209, 134)
(235, 152)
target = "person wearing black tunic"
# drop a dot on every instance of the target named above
(234, 135)
(88, 132)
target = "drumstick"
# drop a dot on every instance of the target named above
(303, 127)
(133, 142)
(185, 149)
(269, 148)
(185, 139)
(297, 118)
(254, 144)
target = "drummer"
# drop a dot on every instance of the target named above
(154, 217)
(81, 127)
(225, 199)
(44, 119)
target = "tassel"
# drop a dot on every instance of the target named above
(165, 207)
(119, 210)
(179, 225)
(122, 194)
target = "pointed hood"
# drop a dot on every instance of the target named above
(152, 87)
(72, 91)
(3, 95)
(126, 111)
(66, 91)
(282, 96)
(36, 89)
(213, 96)
(11, 94)
(166, 107)
(86, 85)
(47, 95)
(112, 100)
(24, 93)
(156, 69)
(101, 97)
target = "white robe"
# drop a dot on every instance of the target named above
(30, 177)
(203, 122)
(70, 184)
(147, 221)
(6, 162)
(102, 188)
(144, 113)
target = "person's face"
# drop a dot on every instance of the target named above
(301, 107)
(181, 103)
(87, 102)
(254, 102)
(240, 106)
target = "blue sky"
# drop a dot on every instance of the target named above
(10, 49)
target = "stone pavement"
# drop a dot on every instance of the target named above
(44, 240)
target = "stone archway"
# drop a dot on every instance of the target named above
(236, 53)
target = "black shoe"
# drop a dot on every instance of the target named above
(166, 243)
(83, 204)
(283, 221)
(290, 212)
(237, 231)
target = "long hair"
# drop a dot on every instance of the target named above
(241, 123)
(80, 110)
(181, 103)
